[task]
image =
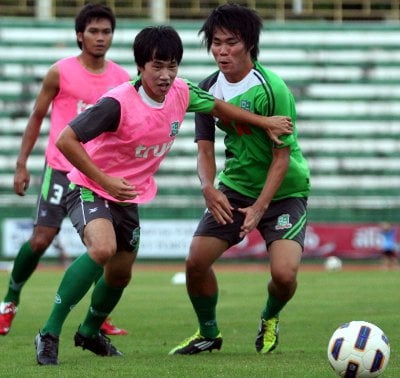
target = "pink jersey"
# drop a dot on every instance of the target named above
(141, 142)
(79, 89)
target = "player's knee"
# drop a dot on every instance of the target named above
(286, 282)
(39, 244)
(101, 254)
(194, 268)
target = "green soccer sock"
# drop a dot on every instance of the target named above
(205, 308)
(98, 276)
(24, 265)
(77, 280)
(104, 299)
(273, 307)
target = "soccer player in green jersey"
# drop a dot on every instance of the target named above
(262, 185)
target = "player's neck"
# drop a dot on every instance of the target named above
(239, 72)
(93, 64)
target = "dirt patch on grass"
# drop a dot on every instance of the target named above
(253, 266)
(234, 266)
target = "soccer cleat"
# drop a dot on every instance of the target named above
(197, 344)
(98, 344)
(46, 349)
(110, 329)
(267, 336)
(7, 313)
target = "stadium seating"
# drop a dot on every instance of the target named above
(345, 78)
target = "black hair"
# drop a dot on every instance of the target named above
(240, 20)
(157, 42)
(90, 12)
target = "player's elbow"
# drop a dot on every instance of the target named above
(63, 139)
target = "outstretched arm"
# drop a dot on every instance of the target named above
(275, 126)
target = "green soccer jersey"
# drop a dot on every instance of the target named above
(199, 100)
(248, 148)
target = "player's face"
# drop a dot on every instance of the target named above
(157, 77)
(97, 37)
(230, 53)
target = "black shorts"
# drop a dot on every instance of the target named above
(284, 219)
(389, 252)
(51, 206)
(84, 206)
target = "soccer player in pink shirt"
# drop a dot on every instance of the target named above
(127, 134)
(70, 86)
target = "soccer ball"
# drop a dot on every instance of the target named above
(333, 263)
(358, 349)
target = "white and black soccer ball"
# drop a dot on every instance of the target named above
(358, 349)
(333, 263)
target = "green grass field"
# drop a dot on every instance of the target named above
(158, 315)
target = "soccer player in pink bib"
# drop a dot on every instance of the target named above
(70, 86)
(127, 135)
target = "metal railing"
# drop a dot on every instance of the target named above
(280, 10)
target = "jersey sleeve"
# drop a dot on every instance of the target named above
(101, 117)
(287, 107)
(275, 99)
(280, 102)
(204, 127)
(199, 100)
